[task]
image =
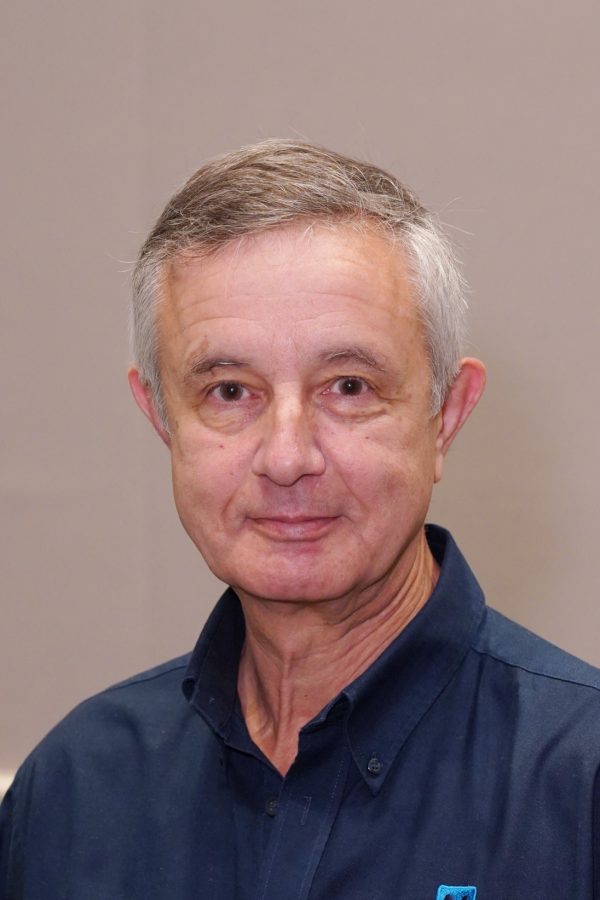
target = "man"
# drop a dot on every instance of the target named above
(353, 723)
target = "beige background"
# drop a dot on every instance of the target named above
(489, 109)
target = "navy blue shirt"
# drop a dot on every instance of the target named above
(463, 762)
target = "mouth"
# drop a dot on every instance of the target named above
(294, 528)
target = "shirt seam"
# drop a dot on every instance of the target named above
(531, 671)
(141, 679)
(596, 835)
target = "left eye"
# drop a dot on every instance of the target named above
(229, 390)
(349, 387)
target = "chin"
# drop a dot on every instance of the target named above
(288, 593)
(296, 574)
(293, 586)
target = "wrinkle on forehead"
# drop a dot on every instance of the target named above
(312, 246)
(287, 286)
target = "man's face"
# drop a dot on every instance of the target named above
(298, 393)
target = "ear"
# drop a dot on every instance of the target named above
(145, 400)
(460, 401)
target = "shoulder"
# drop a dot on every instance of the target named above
(141, 697)
(547, 696)
(114, 723)
(164, 679)
(513, 646)
(531, 705)
(96, 776)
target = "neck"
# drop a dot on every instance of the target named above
(299, 656)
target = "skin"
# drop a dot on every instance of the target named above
(304, 454)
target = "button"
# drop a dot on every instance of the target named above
(374, 766)
(271, 805)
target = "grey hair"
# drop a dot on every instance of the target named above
(279, 182)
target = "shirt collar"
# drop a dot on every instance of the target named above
(210, 682)
(386, 702)
(391, 697)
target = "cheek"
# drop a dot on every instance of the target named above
(206, 476)
(387, 472)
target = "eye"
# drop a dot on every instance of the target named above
(350, 386)
(229, 391)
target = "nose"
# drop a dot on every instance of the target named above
(288, 447)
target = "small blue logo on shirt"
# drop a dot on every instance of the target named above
(451, 892)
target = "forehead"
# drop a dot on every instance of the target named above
(297, 282)
(321, 250)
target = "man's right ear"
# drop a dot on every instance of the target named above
(145, 400)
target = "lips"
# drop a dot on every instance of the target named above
(294, 528)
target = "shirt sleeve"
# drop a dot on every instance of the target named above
(596, 835)
(6, 844)
(11, 842)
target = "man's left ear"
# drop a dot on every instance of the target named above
(460, 401)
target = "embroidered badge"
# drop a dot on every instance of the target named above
(451, 892)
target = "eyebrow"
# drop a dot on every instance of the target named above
(354, 354)
(200, 365)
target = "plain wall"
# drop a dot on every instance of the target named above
(488, 109)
